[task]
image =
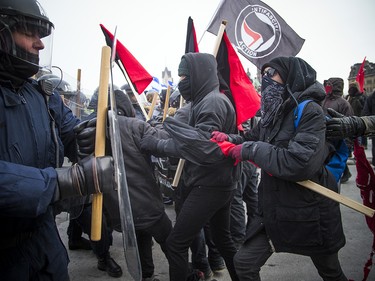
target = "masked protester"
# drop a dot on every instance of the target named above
(36, 132)
(292, 219)
(210, 184)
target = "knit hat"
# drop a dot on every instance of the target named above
(281, 64)
(183, 69)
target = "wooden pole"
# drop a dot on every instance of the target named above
(338, 197)
(97, 199)
(78, 98)
(152, 107)
(166, 103)
(181, 162)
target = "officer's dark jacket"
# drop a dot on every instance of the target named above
(28, 158)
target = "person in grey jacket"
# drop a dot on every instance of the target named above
(293, 219)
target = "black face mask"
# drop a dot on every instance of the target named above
(23, 69)
(271, 100)
(185, 89)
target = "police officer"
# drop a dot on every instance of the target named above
(36, 132)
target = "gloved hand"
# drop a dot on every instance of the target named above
(85, 136)
(88, 176)
(149, 144)
(344, 127)
(219, 136)
(334, 114)
(235, 152)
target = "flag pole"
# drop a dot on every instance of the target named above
(166, 103)
(337, 197)
(134, 91)
(97, 198)
(152, 107)
(181, 162)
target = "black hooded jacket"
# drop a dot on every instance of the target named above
(335, 99)
(297, 220)
(210, 111)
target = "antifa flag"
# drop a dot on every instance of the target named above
(191, 38)
(139, 77)
(360, 78)
(246, 99)
(256, 30)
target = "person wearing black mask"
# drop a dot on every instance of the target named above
(293, 219)
(209, 182)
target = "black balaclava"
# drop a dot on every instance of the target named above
(184, 85)
(353, 90)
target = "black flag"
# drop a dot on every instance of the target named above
(256, 30)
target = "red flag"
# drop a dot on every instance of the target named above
(366, 183)
(139, 77)
(360, 78)
(257, 31)
(191, 38)
(245, 97)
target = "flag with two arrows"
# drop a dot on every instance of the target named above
(256, 30)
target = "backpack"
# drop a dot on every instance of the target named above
(337, 161)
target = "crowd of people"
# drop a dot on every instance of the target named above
(242, 204)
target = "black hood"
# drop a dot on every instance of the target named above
(297, 74)
(203, 74)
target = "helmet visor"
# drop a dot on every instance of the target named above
(28, 39)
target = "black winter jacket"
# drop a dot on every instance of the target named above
(297, 220)
(210, 111)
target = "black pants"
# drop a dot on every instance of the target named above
(83, 223)
(255, 252)
(159, 231)
(202, 205)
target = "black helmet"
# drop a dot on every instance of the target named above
(25, 17)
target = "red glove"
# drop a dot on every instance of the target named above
(219, 136)
(235, 152)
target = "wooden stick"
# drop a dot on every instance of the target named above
(97, 198)
(78, 96)
(166, 102)
(181, 162)
(338, 197)
(153, 103)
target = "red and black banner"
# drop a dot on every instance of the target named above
(138, 75)
(242, 91)
(191, 38)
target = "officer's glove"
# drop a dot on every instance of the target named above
(89, 176)
(85, 136)
(340, 127)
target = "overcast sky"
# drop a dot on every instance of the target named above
(338, 33)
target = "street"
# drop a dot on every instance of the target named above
(280, 267)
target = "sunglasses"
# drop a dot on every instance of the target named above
(270, 72)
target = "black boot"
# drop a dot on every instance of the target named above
(108, 264)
